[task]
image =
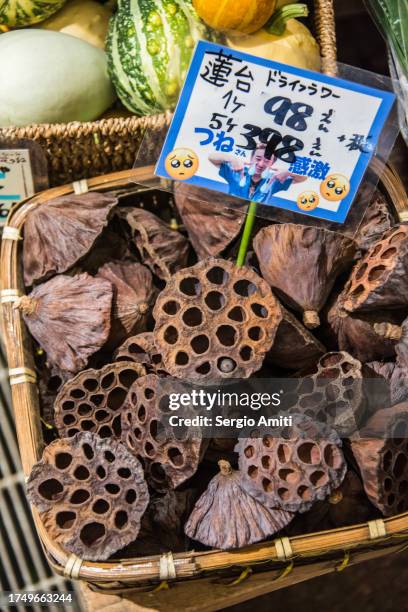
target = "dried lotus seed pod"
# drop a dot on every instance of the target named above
(292, 472)
(367, 336)
(226, 517)
(214, 321)
(133, 298)
(208, 237)
(92, 400)
(141, 349)
(70, 317)
(381, 453)
(294, 347)
(377, 220)
(90, 493)
(162, 249)
(331, 392)
(397, 377)
(301, 264)
(380, 278)
(61, 231)
(167, 457)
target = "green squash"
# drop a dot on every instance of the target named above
(19, 13)
(149, 47)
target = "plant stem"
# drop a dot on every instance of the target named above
(246, 236)
(277, 23)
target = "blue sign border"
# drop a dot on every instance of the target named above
(387, 101)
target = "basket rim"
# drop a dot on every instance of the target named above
(29, 434)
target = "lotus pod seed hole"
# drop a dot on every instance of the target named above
(65, 520)
(175, 456)
(88, 451)
(80, 496)
(50, 489)
(130, 497)
(110, 457)
(101, 472)
(215, 300)
(112, 488)
(116, 398)
(204, 368)
(63, 460)
(304, 493)
(157, 431)
(190, 286)
(107, 381)
(309, 452)
(252, 471)
(192, 317)
(69, 419)
(217, 276)
(244, 288)
(92, 533)
(124, 473)
(249, 452)
(81, 473)
(78, 393)
(90, 384)
(101, 506)
(171, 308)
(237, 314)
(182, 358)
(318, 478)
(400, 466)
(83, 410)
(200, 344)
(88, 425)
(226, 365)
(121, 518)
(226, 335)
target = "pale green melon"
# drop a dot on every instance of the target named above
(49, 77)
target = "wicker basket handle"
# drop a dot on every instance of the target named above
(326, 35)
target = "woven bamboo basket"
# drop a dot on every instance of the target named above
(82, 150)
(264, 566)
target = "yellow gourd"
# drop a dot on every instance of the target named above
(240, 15)
(84, 19)
(293, 44)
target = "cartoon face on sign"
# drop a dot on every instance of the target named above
(335, 187)
(308, 200)
(181, 164)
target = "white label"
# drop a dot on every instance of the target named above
(274, 134)
(16, 179)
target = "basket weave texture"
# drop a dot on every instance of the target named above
(331, 546)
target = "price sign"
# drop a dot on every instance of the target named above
(273, 134)
(16, 179)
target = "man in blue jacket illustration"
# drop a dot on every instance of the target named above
(256, 180)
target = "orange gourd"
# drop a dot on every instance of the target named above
(245, 16)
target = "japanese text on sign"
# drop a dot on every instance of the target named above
(273, 134)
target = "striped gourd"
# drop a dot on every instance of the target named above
(26, 12)
(149, 47)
